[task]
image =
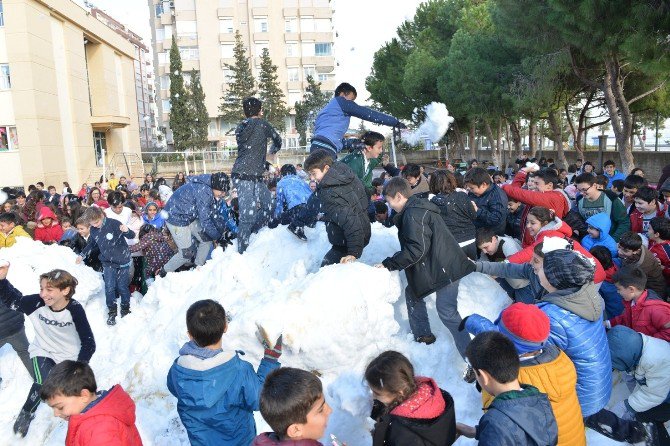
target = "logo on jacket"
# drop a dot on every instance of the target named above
(54, 323)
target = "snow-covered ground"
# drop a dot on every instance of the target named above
(334, 320)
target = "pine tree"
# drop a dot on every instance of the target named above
(274, 107)
(198, 113)
(306, 110)
(241, 86)
(180, 119)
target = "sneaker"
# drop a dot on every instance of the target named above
(469, 375)
(22, 422)
(298, 232)
(427, 339)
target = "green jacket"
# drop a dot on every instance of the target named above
(356, 162)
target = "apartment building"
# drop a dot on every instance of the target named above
(67, 95)
(298, 34)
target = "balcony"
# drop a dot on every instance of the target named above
(324, 37)
(226, 38)
(225, 12)
(325, 64)
(187, 40)
(291, 37)
(105, 122)
(292, 61)
(262, 37)
(167, 18)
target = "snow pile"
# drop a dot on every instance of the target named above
(334, 321)
(434, 127)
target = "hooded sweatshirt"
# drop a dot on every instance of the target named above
(51, 233)
(603, 224)
(252, 136)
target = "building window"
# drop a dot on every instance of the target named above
(184, 5)
(163, 58)
(228, 75)
(159, 9)
(260, 24)
(293, 97)
(260, 46)
(5, 81)
(167, 106)
(291, 49)
(165, 82)
(189, 53)
(323, 49)
(293, 74)
(187, 28)
(323, 25)
(9, 139)
(227, 50)
(310, 71)
(306, 24)
(291, 25)
(308, 49)
(168, 32)
(226, 25)
(100, 146)
(324, 77)
(160, 34)
(212, 130)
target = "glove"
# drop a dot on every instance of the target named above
(461, 326)
(401, 125)
(622, 411)
(275, 352)
(226, 238)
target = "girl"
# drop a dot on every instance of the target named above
(149, 180)
(414, 411)
(83, 192)
(62, 330)
(156, 250)
(152, 217)
(179, 181)
(144, 195)
(95, 198)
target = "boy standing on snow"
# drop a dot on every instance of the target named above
(254, 197)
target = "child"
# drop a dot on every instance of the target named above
(598, 233)
(632, 252)
(542, 365)
(108, 235)
(418, 183)
(79, 242)
(519, 414)
(217, 391)
(613, 301)
(489, 199)
(415, 410)
(48, 229)
(293, 404)
(364, 161)
(495, 248)
(658, 234)
(595, 201)
(516, 213)
(644, 311)
(117, 209)
(344, 204)
(631, 185)
(10, 230)
(155, 247)
(143, 200)
(152, 217)
(646, 208)
(61, 330)
(432, 260)
(377, 189)
(292, 194)
(94, 418)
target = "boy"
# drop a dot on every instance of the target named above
(9, 230)
(61, 329)
(595, 201)
(516, 213)
(632, 252)
(108, 236)
(658, 234)
(432, 260)
(364, 161)
(293, 404)
(52, 197)
(609, 170)
(598, 233)
(117, 209)
(254, 198)
(617, 187)
(490, 201)
(646, 208)
(48, 228)
(613, 301)
(644, 311)
(418, 183)
(217, 391)
(496, 249)
(292, 194)
(344, 204)
(519, 414)
(630, 187)
(94, 418)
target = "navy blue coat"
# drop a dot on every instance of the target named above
(195, 201)
(491, 209)
(291, 191)
(109, 239)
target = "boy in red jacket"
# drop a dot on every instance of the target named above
(658, 234)
(646, 208)
(48, 229)
(94, 418)
(644, 311)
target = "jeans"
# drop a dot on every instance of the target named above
(309, 212)
(19, 343)
(117, 283)
(446, 303)
(41, 368)
(255, 202)
(187, 248)
(417, 314)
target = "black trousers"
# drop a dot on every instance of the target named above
(41, 368)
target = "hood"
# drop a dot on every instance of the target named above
(205, 179)
(557, 225)
(272, 439)
(585, 302)
(246, 128)
(625, 347)
(116, 403)
(425, 404)
(440, 199)
(46, 212)
(339, 174)
(566, 197)
(601, 222)
(535, 407)
(419, 203)
(665, 187)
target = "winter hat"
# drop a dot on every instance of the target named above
(567, 269)
(526, 326)
(251, 106)
(625, 347)
(220, 181)
(665, 187)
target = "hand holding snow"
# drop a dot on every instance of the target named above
(434, 127)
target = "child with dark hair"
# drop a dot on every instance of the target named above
(364, 161)
(489, 199)
(495, 248)
(608, 291)
(292, 194)
(595, 201)
(631, 185)
(519, 414)
(94, 418)
(633, 252)
(418, 183)
(377, 189)
(658, 234)
(381, 213)
(155, 248)
(646, 208)
(293, 404)
(414, 410)
(61, 329)
(598, 233)
(10, 229)
(617, 187)
(217, 392)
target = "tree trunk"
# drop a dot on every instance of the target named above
(494, 142)
(460, 147)
(516, 138)
(532, 136)
(557, 137)
(620, 115)
(472, 141)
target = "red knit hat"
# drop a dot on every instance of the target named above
(526, 321)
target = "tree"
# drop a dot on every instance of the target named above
(198, 113)
(180, 119)
(241, 86)
(274, 107)
(306, 110)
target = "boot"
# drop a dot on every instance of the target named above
(426, 339)
(22, 422)
(111, 315)
(125, 309)
(297, 231)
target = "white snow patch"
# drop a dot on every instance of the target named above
(434, 127)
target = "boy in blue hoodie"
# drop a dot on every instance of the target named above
(599, 226)
(217, 392)
(292, 194)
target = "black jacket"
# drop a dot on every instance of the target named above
(11, 322)
(393, 430)
(429, 254)
(491, 209)
(77, 244)
(458, 214)
(344, 204)
(252, 145)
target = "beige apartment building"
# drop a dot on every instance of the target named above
(67, 94)
(298, 34)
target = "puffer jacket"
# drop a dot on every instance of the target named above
(7, 240)
(576, 327)
(660, 250)
(429, 254)
(51, 233)
(252, 136)
(194, 201)
(291, 192)
(650, 315)
(603, 224)
(458, 214)
(491, 209)
(345, 203)
(612, 298)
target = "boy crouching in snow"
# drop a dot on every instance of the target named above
(217, 391)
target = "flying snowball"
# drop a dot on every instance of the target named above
(434, 127)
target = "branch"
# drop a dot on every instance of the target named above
(643, 95)
(579, 75)
(588, 127)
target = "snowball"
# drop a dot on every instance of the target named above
(434, 127)
(109, 236)
(3, 263)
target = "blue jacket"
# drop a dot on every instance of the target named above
(602, 223)
(216, 405)
(291, 191)
(491, 209)
(332, 122)
(617, 176)
(612, 298)
(194, 201)
(109, 239)
(157, 222)
(225, 222)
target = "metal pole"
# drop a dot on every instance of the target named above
(104, 166)
(656, 143)
(395, 163)
(204, 165)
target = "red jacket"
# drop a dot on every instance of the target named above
(636, 219)
(555, 199)
(110, 422)
(650, 315)
(662, 252)
(48, 234)
(557, 228)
